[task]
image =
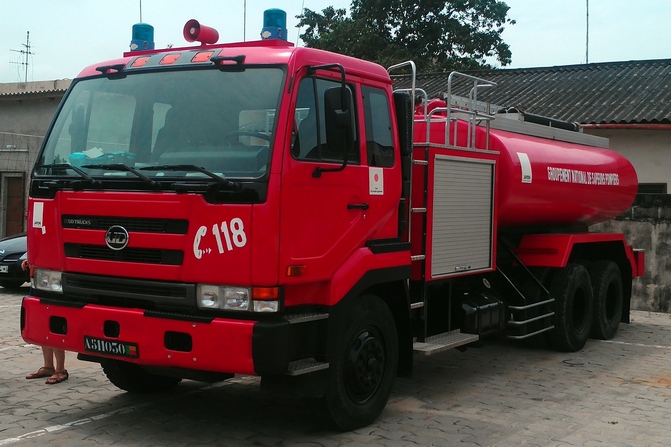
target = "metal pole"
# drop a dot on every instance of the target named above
(587, 35)
(27, 52)
(244, 24)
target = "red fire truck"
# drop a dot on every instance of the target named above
(263, 209)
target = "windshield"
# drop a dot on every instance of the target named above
(221, 121)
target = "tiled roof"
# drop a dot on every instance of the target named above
(17, 90)
(614, 92)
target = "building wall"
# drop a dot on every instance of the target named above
(648, 151)
(647, 225)
(28, 107)
(26, 111)
(22, 127)
(27, 116)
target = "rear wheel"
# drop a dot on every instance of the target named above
(364, 365)
(608, 299)
(132, 378)
(572, 290)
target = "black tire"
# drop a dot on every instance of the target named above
(132, 378)
(363, 366)
(572, 290)
(12, 284)
(608, 299)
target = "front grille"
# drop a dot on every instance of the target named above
(126, 292)
(131, 224)
(98, 285)
(139, 255)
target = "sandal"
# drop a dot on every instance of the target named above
(45, 371)
(57, 377)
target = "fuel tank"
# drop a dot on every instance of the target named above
(544, 182)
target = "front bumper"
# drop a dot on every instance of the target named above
(217, 345)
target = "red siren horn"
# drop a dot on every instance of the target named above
(194, 31)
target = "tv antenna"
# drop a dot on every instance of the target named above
(24, 54)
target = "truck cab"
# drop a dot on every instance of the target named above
(200, 212)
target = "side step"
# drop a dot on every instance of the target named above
(443, 342)
(305, 366)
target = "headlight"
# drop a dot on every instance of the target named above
(222, 297)
(266, 306)
(24, 256)
(257, 299)
(49, 280)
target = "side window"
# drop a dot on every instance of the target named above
(379, 142)
(309, 143)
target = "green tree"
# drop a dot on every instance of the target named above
(437, 34)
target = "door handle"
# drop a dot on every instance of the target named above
(360, 206)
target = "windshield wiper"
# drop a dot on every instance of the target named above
(193, 168)
(123, 167)
(74, 183)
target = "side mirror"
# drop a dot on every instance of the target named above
(339, 118)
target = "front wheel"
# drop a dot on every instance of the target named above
(363, 366)
(132, 378)
(572, 290)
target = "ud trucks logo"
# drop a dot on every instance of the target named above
(116, 237)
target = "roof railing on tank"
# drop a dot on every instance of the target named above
(472, 108)
(468, 109)
(418, 95)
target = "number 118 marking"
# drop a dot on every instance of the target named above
(234, 234)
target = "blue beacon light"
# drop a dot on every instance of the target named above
(143, 37)
(274, 24)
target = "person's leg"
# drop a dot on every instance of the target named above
(47, 368)
(60, 359)
(60, 374)
(48, 354)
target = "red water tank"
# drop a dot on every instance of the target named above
(556, 183)
(549, 183)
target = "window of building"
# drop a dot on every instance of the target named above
(652, 188)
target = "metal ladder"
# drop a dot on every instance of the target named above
(474, 112)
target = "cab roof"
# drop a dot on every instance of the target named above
(261, 52)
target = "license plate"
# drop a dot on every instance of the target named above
(110, 347)
(4, 268)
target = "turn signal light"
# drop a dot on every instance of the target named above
(295, 270)
(265, 293)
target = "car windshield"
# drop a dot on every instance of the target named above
(220, 121)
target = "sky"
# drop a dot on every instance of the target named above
(68, 35)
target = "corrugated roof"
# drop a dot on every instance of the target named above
(16, 90)
(612, 92)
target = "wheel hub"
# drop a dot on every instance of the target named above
(365, 364)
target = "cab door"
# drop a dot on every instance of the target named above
(323, 208)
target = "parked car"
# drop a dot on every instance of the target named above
(13, 251)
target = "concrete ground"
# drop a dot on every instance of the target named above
(614, 393)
